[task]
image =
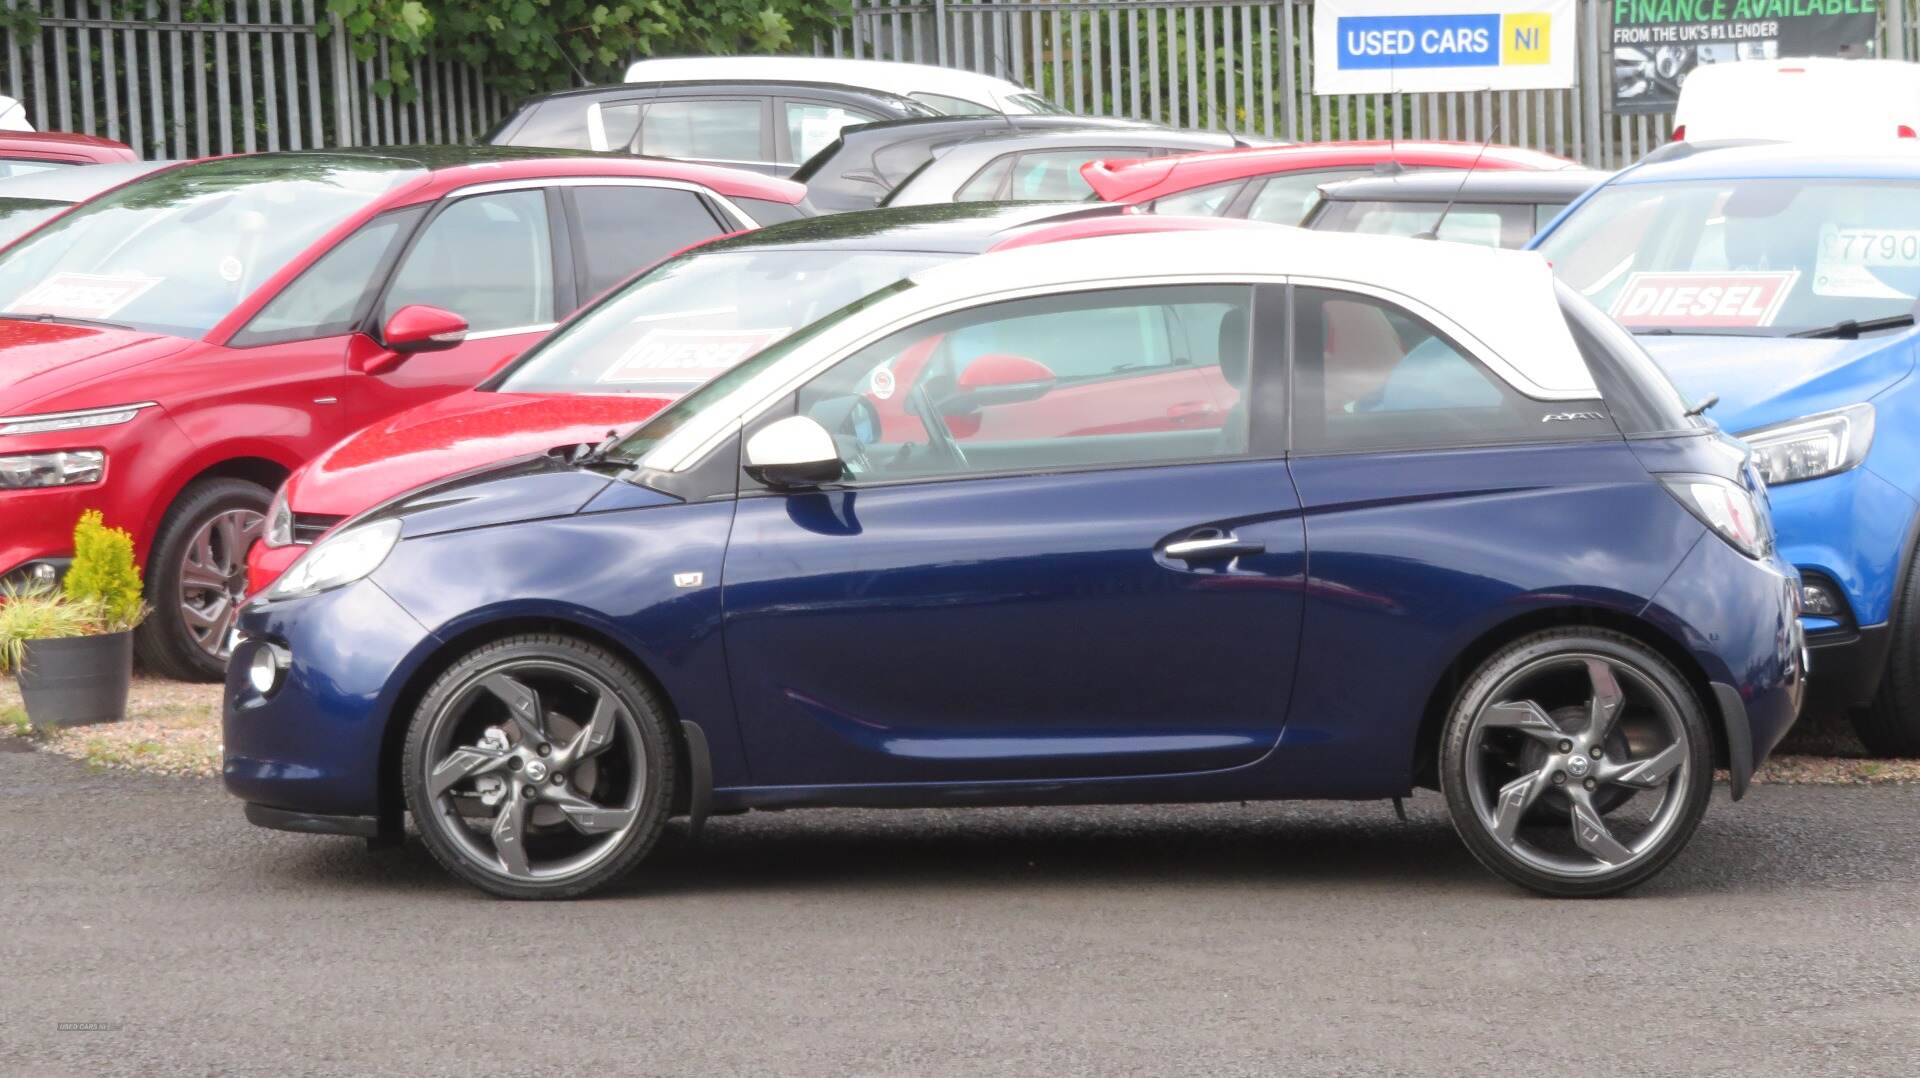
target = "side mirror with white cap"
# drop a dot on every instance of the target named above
(794, 453)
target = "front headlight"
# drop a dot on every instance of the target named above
(1813, 446)
(60, 468)
(82, 420)
(338, 560)
(279, 520)
(1727, 508)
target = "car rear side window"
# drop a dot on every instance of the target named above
(1199, 202)
(1286, 198)
(720, 129)
(622, 229)
(1507, 225)
(1371, 375)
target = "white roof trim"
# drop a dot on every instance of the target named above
(887, 75)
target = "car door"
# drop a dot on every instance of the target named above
(1064, 606)
(295, 355)
(493, 257)
(1430, 485)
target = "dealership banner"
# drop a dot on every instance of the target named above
(1425, 46)
(1656, 44)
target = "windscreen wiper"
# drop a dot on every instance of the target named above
(64, 319)
(1850, 329)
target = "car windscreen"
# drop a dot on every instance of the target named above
(700, 315)
(1746, 256)
(19, 215)
(176, 252)
(1507, 225)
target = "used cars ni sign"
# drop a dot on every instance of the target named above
(1454, 530)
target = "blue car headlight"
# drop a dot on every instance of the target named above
(1812, 446)
(338, 560)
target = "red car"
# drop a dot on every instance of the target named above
(1281, 183)
(171, 350)
(25, 152)
(622, 360)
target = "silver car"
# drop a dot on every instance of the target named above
(1039, 166)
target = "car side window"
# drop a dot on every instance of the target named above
(812, 127)
(947, 105)
(1199, 202)
(987, 184)
(622, 229)
(1286, 198)
(1371, 375)
(1051, 175)
(1006, 387)
(487, 258)
(326, 299)
(719, 129)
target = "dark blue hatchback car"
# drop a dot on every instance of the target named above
(1419, 517)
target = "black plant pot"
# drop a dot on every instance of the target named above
(76, 680)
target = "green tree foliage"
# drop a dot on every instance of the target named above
(103, 574)
(529, 46)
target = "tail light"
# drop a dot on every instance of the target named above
(1903, 131)
(1680, 133)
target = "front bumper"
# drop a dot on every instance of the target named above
(313, 746)
(36, 528)
(1851, 533)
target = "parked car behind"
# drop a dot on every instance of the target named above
(13, 115)
(1281, 183)
(1040, 166)
(25, 152)
(858, 169)
(1782, 279)
(762, 125)
(759, 600)
(1492, 209)
(1805, 98)
(948, 91)
(621, 360)
(170, 350)
(28, 201)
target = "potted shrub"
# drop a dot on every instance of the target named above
(72, 650)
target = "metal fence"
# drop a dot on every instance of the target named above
(1247, 66)
(260, 77)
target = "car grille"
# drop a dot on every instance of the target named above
(309, 527)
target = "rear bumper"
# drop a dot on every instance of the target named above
(308, 823)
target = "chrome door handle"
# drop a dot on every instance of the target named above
(1219, 547)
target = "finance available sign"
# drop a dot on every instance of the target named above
(1422, 46)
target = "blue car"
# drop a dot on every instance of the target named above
(1781, 279)
(1447, 527)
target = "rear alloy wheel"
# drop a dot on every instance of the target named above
(1576, 763)
(539, 767)
(197, 578)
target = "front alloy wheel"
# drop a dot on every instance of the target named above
(539, 767)
(1576, 763)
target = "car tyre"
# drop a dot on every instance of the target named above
(581, 744)
(1890, 723)
(1543, 729)
(197, 575)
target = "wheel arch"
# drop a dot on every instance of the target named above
(268, 471)
(1440, 697)
(391, 798)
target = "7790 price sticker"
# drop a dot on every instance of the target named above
(1870, 246)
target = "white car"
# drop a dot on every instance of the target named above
(1813, 99)
(13, 115)
(948, 91)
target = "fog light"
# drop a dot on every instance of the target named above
(264, 669)
(1819, 601)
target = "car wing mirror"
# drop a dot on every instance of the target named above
(996, 379)
(795, 453)
(417, 328)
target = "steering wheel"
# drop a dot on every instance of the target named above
(938, 436)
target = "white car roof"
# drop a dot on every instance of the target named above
(1501, 305)
(13, 115)
(890, 76)
(1810, 98)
